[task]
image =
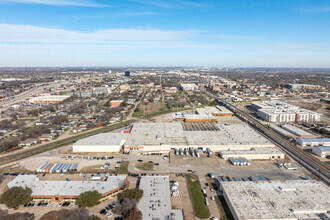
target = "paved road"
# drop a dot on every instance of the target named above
(311, 163)
(6, 103)
(214, 211)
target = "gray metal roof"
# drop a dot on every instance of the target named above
(66, 188)
(156, 200)
(315, 139)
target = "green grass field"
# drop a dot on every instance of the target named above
(154, 109)
(197, 197)
(224, 210)
(145, 166)
(124, 167)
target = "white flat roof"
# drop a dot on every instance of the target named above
(173, 134)
(290, 199)
(156, 200)
(294, 129)
(66, 188)
(104, 139)
(259, 150)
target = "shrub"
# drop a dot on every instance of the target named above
(94, 217)
(16, 196)
(89, 198)
(132, 194)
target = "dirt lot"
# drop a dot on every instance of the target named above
(203, 160)
(183, 200)
(145, 166)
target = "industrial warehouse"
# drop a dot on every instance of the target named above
(49, 98)
(235, 140)
(67, 190)
(105, 142)
(313, 142)
(206, 114)
(276, 111)
(290, 199)
(156, 200)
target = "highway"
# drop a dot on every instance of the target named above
(315, 166)
(21, 97)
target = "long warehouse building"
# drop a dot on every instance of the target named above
(290, 199)
(163, 137)
(105, 142)
(67, 190)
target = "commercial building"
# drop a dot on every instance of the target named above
(101, 90)
(156, 200)
(192, 117)
(199, 118)
(290, 199)
(49, 99)
(281, 131)
(267, 153)
(313, 142)
(215, 111)
(170, 90)
(116, 103)
(105, 142)
(162, 137)
(321, 151)
(276, 111)
(206, 114)
(272, 105)
(304, 87)
(127, 73)
(189, 87)
(67, 190)
(297, 131)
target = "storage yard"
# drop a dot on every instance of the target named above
(290, 199)
(58, 167)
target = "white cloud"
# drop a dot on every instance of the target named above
(173, 4)
(82, 3)
(36, 34)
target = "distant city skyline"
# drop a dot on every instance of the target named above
(160, 33)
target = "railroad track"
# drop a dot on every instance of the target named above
(317, 167)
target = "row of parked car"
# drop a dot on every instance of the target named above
(107, 210)
(32, 204)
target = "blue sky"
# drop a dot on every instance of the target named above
(234, 33)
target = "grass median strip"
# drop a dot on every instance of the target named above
(123, 169)
(220, 201)
(223, 208)
(145, 166)
(197, 197)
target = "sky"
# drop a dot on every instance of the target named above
(157, 33)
